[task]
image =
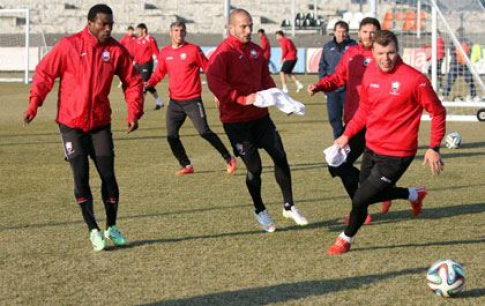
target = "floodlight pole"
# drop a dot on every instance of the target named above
(227, 13)
(434, 49)
(418, 21)
(293, 17)
(27, 46)
(373, 8)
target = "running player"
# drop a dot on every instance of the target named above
(182, 61)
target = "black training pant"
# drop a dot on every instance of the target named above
(146, 70)
(378, 177)
(177, 112)
(246, 138)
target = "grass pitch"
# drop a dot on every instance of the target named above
(193, 240)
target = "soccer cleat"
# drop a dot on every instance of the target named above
(232, 166)
(417, 205)
(296, 215)
(299, 86)
(346, 221)
(385, 207)
(265, 220)
(97, 240)
(284, 89)
(185, 170)
(113, 234)
(157, 107)
(339, 246)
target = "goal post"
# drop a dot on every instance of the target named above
(9, 47)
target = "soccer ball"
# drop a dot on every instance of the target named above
(446, 278)
(453, 140)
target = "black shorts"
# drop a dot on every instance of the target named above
(246, 136)
(382, 169)
(98, 142)
(288, 66)
(145, 70)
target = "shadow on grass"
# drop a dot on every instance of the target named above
(284, 292)
(415, 245)
(311, 226)
(474, 293)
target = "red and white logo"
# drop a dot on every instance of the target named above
(106, 56)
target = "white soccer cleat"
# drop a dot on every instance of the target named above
(97, 240)
(265, 220)
(284, 89)
(299, 86)
(296, 215)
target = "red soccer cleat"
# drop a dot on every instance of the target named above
(339, 246)
(367, 221)
(185, 170)
(417, 205)
(232, 166)
(385, 207)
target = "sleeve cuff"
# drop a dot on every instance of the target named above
(241, 100)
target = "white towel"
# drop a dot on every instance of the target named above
(335, 156)
(276, 97)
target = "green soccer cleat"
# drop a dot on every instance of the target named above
(97, 240)
(113, 234)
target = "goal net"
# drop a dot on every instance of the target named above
(445, 40)
(20, 47)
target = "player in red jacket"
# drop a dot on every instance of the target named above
(349, 73)
(146, 49)
(237, 70)
(393, 97)
(288, 61)
(182, 61)
(128, 41)
(86, 63)
(266, 46)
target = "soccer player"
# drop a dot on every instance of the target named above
(266, 46)
(331, 55)
(393, 96)
(182, 61)
(288, 61)
(128, 41)
(348, 73)
(237, 70)
(86, 63)
(146, 49)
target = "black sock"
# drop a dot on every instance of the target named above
(288, 206)
(111, 212)
(88, 214)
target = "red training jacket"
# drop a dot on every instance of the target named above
(391, 107)
(236, 70)
(144, 49)
(348, 73)
(288, 49)
(86, 69)
(266, 46)
(129, 43)
(183, 67)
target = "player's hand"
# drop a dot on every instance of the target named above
(311, 89)
(146, 85)
(433, 159)
(250, 99)
(132, 126)
(217, 102)
(29, 115)
(342, 141)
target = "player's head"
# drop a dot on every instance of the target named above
(241, 25)
(367, 27)
(130, 31)
(100, 22)
(341, 31)
(261, 33)
(279, 35)
(178, 31)
(142, 29)
(385, 49)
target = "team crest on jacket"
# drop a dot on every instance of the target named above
(254, 54)
(366, 61)
(105, 55)
(183, 56)
(395, 87)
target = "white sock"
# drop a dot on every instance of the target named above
(159, 101)
(413, 194)
(346, 238)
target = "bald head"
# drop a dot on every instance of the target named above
(241, 25)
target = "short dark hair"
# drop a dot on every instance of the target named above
(180, 24)
(341, 24)
(384, 38)
(142, 26)
(99, 8)
(261, 31)
(130, 28)
(370, 20)
(280, 33)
